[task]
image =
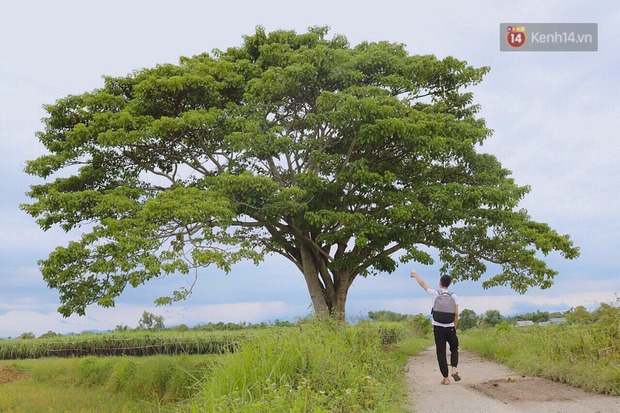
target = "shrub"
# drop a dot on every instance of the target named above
(467, 319)
(503, 326)
(386, 315)
(323, 366)
(420, 325)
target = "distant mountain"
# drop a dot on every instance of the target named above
(92, 332)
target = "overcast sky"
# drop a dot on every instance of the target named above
(554, 116)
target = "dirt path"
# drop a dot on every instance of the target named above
(487, 386)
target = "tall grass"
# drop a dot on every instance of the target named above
(125, 344)
(587, 356)
(158, 380)
(313, 367)
(320, 367)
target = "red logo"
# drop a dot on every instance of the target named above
(516, 36)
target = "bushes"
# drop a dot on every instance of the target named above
(390, 333)
(156, 379)
(314, 366)
(414, 326)
(503, 327)
(322, 367)
(420, 325)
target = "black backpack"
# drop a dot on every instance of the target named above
(444, 307)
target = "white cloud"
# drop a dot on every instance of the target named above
(21, 233)
(506, 304)
(554, 115)
(24, 277)
(552, 140)
(28, 303)
(16, 321)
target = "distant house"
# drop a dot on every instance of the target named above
(524, 323)
(558, 320)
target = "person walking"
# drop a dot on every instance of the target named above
(445, 319)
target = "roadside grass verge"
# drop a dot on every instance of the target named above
(318, 367)
(400, 353)
(586, 356)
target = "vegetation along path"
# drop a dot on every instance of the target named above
(487, 386)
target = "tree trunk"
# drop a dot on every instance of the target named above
(328, 292)
(341, 299)
(316, 290)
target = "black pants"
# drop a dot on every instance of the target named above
(445, 335)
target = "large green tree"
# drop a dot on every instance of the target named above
(467, 319)
(341, 159)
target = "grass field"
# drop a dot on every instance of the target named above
(28, 397)
(310, 368)
(128, 343)
(104, 383)
(324, 367)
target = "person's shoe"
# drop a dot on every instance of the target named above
(456, 377)
(443, 382)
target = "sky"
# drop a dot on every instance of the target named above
(554, 116)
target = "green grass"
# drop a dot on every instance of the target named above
(587, 356)
(128, 344)
(410, 347)
(313, 367)
(324, 367)
(32, 396)
(113, 383)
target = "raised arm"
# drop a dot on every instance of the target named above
(420, 281)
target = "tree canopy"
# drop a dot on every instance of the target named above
(343, 159)
(151, 322)
(467, 319)
(492, 317)
(386, 315)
